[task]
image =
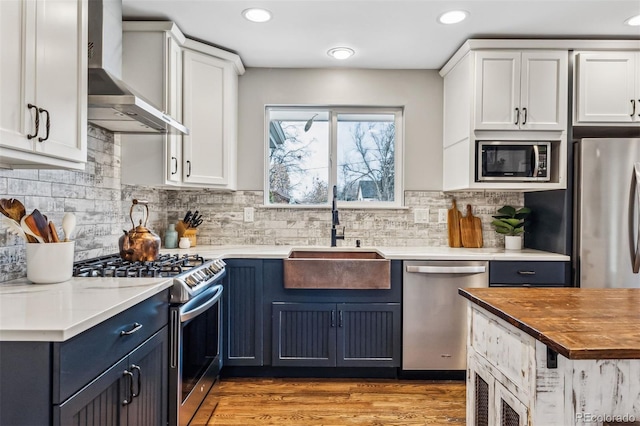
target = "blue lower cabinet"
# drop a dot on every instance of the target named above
(336, 335)
(242, 307)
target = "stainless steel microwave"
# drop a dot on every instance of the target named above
(514, 161)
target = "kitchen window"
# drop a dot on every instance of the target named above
(309, 150)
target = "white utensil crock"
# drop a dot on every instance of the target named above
(49, 263)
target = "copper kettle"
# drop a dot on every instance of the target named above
(139, 244)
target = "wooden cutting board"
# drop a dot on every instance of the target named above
(453, 226)
(471, 230)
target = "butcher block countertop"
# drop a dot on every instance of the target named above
(576, 323)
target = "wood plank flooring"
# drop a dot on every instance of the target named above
(332, 402)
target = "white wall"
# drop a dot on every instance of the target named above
(418, 91)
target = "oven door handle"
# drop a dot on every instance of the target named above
(187, 314)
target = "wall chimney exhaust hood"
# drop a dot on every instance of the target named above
(112, 105)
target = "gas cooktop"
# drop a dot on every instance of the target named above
(191, 273)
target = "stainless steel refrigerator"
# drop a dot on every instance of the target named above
(607, 237)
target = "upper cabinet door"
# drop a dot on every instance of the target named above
(544, 90)
(606, 87)
(207, 87)
(60, 80)
(497, 95)
(174, 102)
(16, 119)
(44, 64)
(521, 90)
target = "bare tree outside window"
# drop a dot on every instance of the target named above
(298, 167)
(300, 145)
(366, 161)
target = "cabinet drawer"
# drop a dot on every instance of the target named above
(84, 357)
(505, 273)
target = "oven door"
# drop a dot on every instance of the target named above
(195, 358)
(512, 161)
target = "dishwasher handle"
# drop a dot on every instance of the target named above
(480, 269)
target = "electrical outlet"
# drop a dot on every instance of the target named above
(248, 214)
(442, 215)
(421, 216)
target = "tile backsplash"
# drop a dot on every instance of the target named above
(101, 204)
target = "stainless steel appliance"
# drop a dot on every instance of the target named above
(112, 105)
(195, 318)
(434, 319)
(607, 237)
(516, 161)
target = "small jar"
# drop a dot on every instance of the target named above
(171, 237)
(185, 243)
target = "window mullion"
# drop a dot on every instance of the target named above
(333, 152)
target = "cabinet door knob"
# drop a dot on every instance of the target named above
(525, 116)
(333, 318)
(37, 119)
(517, 116)
(47, 125)
(189, 168)
(633, 107)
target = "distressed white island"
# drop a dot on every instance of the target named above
(546, 357)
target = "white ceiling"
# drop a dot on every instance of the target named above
(392, 34)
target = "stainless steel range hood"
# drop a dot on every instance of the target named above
(112, 104)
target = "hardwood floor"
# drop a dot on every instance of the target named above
(332, 402)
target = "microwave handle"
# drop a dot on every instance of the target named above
(536, 161)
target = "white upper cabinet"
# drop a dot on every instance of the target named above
(43, 44)
(607, 88)
(521, 90)
(196, 84)
(152, 66)
(210, 111)
(504, 90)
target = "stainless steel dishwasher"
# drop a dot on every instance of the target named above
(434, 325)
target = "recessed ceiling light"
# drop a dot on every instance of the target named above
(634, 21)
(453, 17)
(341, 52)
(255, 14)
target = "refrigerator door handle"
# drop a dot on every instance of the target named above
(636, 258)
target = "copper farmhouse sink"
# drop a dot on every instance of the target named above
(334, 269)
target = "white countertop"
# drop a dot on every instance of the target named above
(58, 312)
(396, 253)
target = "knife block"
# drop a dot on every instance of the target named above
(184, 231)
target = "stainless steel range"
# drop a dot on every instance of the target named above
(195, 318)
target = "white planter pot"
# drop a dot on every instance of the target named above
(513, 242)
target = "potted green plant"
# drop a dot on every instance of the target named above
(510, 223)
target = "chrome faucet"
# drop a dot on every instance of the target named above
(335, 220)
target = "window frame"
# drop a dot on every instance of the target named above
(334, 111)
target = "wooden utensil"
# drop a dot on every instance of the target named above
(43, 225)
(53, 233)
(12, 208)
(453, 226)
(471, 230)
(30, 228)
(68, 225)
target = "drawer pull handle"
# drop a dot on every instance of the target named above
(129, 375)
(136, 327)
(526, 272)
